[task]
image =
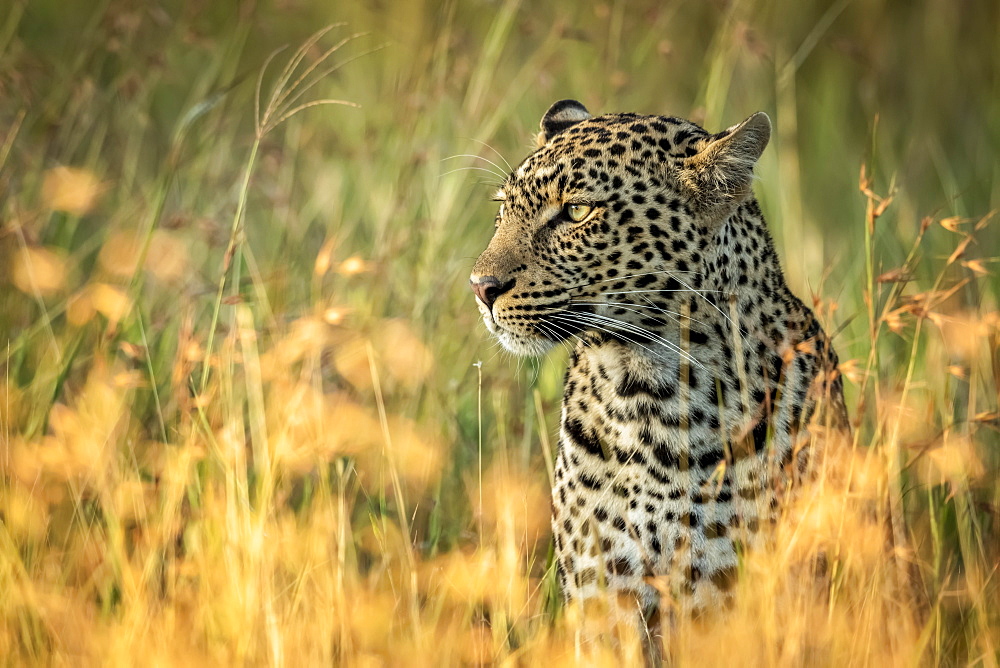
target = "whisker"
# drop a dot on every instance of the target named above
(595, 326)
(561, 329)
(580, 340)
(592, 319)
(624, 305)
(616, 324)
(561, 306)
(627, 326)
(687, 288)
(547, 329)
(571, 334)
(499, 154)
(479, 157)
(723, 314)
(499, 350)
(728, 319)
(538, 370)
(644, 273)
(502, 177)
(675, 316)
(669, 314)
(631, 292)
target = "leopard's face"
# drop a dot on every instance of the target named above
(602, 228)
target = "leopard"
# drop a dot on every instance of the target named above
(696, 379)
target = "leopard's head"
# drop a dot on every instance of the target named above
(607, 222)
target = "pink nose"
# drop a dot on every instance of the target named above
(488, 288)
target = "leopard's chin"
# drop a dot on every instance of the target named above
(519, 344)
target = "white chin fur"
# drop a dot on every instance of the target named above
(518, 344)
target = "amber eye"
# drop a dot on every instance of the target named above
(578, 212)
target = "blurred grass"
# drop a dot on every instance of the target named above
(323, 476)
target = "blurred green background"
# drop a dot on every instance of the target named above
(116, 87)
(156, 100)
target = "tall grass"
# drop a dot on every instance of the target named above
(242, 412)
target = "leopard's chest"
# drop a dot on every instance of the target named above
(644, 483)
(672, 419)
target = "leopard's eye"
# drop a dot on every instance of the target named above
(578, 212)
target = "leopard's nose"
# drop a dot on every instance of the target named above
(488, 288)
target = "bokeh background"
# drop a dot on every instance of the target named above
(247, 410)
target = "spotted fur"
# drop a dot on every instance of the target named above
(696, 374)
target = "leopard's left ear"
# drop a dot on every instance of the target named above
(722, 170)
(560, 116)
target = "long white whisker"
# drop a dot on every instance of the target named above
(721, 312)
(538, 370)
(478, 157)
(644, 273)
(673, 315)
(548, 328)
(688, 288)
(499, 349)
(502, 177)
(499, 154)
(571, 334)
(592, 319)
(656, 337)
(627, 326)
(625, 305)
(596, 326)
(728, 319)
(632, 292)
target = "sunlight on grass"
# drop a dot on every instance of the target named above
(241, 419)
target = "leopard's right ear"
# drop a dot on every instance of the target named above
(560, 116)
(721, 172)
